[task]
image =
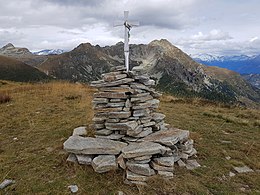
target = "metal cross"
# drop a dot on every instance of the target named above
(128, 25)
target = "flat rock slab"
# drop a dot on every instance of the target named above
(161, 168)
(116, 95)
(166, 161)
(90, 145)
(143, 149)
(167, 137)
(130, 125)
(244, 169)
(104, 163)
(110, 84)
(141, 169)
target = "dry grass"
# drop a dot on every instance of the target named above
(40, 117)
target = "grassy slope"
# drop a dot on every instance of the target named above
(14, 70)
(42, 117)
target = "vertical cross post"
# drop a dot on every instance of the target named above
(128, 25)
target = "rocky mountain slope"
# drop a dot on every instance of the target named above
(242, 64)
(254, 79)
(174, 71)
(22, 54)
(14, 70)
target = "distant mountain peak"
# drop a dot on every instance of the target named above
(49, 52)
(9, 45)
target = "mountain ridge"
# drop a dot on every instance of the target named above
(174, 71)
(242, 64)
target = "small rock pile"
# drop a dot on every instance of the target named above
(129, 132)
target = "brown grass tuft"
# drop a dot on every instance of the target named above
(4, 98)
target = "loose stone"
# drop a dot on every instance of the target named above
(104, 163)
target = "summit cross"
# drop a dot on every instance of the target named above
(128, 25)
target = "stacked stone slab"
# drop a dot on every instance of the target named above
(130, 133)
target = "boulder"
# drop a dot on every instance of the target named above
(104, 163)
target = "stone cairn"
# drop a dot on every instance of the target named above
(129, 132)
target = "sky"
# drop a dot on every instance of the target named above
(218, 27)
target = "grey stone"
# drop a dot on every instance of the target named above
(89, 145)
(128, 103)
(184, 156)
(117, 100)
(143, 157)
(231, 174)
(113, 109)
(81, 131)
(135, 177)
(117, 89)
(192, 164)
(103, 132)
(181, 163)
(113, 77)
(112, 120)
(121, 161)
(113, 83)
(149, 124)
(142, 169)
(72, 158)
(244, 169)
(99, 119)
(139, 161)
(166, 174)
(129, 139)
(142, 112)
(139, 95)
(157, 116)
(98, 126)
(111, 136)
(84, 159)
(73, 188)
(144, 133)
(115, 95)
(104, 163)
(130, 125)
(100, 100)
(119, 114)
(115, 104)
(161, 168)
(135, 85)
(142, 99)
(136, 131)
(167, 137)
(150, 82)
(166, 161)
(143, 149)
(6, 183)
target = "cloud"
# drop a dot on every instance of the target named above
(213, 35)
(190, 24)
